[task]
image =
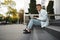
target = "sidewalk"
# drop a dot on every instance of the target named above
(11, 32)
(15, 32)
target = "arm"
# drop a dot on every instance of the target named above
(43, 15)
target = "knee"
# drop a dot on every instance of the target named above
(31, 19)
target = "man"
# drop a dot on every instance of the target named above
(42, 20)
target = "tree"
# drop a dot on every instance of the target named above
(32, 6)
(12, 15)
(50, 9)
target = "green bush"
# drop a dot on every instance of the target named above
(8, 19)
(32, 7)
(1, 17)
(50, 9)
(14, 20)
(11, 20)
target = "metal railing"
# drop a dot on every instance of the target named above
(38, 14)
(53, 14)
(49, 15)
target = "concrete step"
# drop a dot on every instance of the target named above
(54, 30)
(55, 22)
(38, 34)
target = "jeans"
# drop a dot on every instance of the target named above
(33, 21)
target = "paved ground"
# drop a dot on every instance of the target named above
(11, 32)
(15, 32)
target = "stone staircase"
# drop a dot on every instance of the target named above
(52, 32)
(54, 28)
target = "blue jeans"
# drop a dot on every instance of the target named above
(33, 21)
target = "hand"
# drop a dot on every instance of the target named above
(34, 17)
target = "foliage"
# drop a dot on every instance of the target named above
(50, 9)
(11, 20)
(32, 8)
(8, 19)
(9, 2)
(12, 15)
(1, 17)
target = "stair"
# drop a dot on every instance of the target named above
(39, 34)
(54, 30)
(55, 22)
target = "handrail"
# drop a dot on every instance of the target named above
(53, 14)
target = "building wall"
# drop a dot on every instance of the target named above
(57, 8)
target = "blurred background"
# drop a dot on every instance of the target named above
(15, 14)
(15, 11)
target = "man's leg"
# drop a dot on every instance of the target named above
(30, 24)
(27, 30)
(33, 21)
